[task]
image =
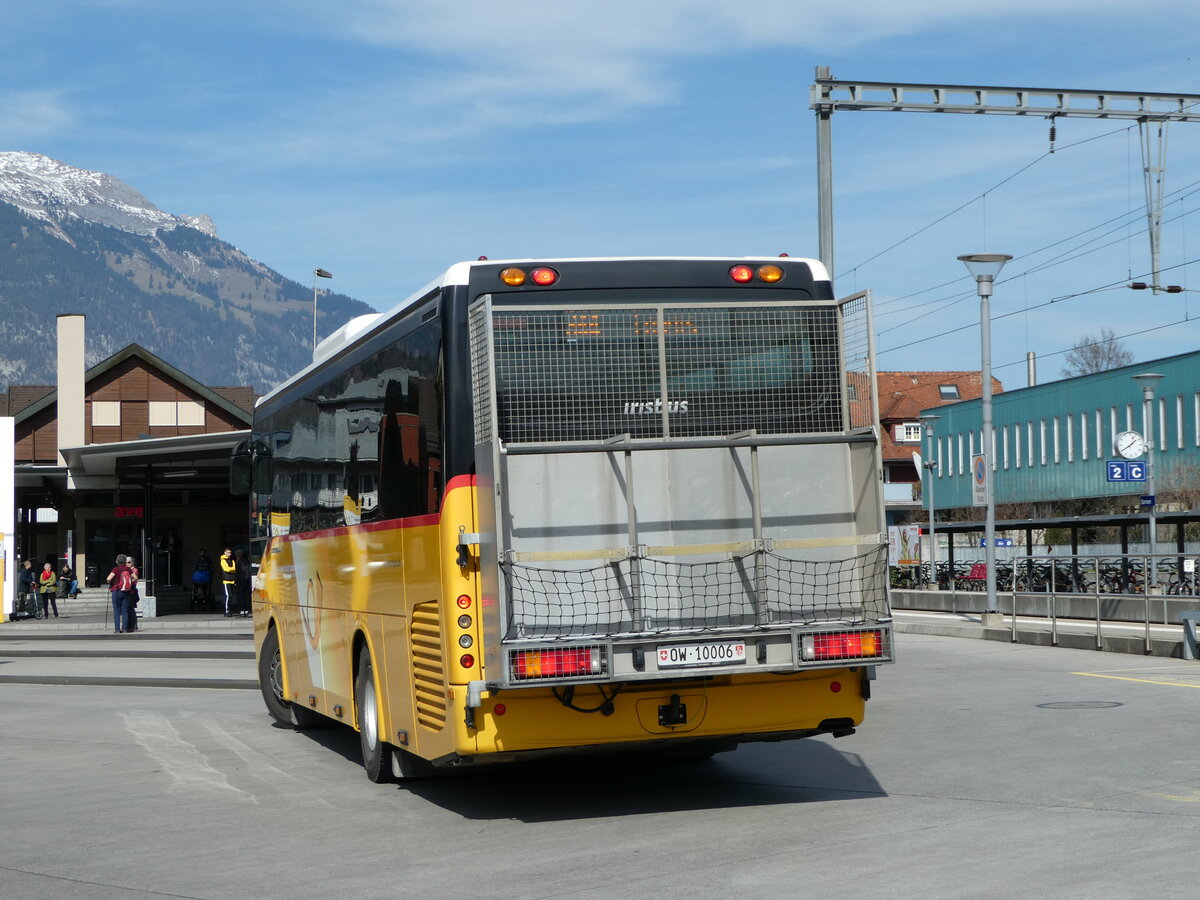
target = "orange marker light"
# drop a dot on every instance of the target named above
(513, 277)
(770, 274)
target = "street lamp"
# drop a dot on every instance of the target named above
(1149, 381)
(985, 267)
(317, 273)
(927, 423)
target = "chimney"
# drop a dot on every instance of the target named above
(70, 383)
(1031, 368)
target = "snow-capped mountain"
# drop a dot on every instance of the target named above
(72, 241)
(50, 190)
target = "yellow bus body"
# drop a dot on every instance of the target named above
(406, 613)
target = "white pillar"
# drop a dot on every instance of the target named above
(8, 525)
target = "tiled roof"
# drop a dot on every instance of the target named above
(902, 396)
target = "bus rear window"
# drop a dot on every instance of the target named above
(591, 374)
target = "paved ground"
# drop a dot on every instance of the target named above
(985, 769)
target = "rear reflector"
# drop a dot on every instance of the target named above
(557, 662)
(829, 646)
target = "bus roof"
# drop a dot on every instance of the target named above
(460, 274)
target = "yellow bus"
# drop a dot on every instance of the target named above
(564, 506)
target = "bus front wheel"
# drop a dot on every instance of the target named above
(270, 682)
(377, 753)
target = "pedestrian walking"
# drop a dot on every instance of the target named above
(135, 596)
(48, 587)
(27, 588)
(121, 583)
(229, 580)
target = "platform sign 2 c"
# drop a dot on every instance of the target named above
(1126, 470)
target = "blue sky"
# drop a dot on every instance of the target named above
(384, 140)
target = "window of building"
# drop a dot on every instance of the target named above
(909, 432)
(106, 412)
(1004, 443)
(1042, 435)
(1029, 443)
(1017, 444)
(948, 391)
(851, 391)
(1162, 422)
(172, 412)
(162, 412)
(190, 412)
(1179, 423)
(1083, 435)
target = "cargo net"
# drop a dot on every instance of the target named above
(649, 596)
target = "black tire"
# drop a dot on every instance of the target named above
(270, 682)
(377, 753)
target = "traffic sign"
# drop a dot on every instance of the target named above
(979, 477)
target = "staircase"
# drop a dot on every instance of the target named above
(97, 600)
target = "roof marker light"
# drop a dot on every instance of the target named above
(513, 277)
(544, 276)
(770, 274)
(741, 274)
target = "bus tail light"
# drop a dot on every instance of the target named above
(542, 276)
(833, 646)
(741, 274)
(545, 663)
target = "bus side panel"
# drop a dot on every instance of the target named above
(534, 719)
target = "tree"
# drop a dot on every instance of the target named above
(1096, 354)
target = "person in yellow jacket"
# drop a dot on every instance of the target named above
(228, 580)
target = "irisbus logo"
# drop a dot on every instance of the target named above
(655, 407)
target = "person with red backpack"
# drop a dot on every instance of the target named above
(121, 582)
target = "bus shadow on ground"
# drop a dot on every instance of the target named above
(591, 787)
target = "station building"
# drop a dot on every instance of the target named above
(1054, 443)
(130, 456)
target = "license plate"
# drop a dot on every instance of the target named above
(711, 653)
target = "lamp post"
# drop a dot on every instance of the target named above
(985, 267)
(927, 423)
(1149, 381)
(317, 273)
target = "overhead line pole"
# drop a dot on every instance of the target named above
(829, 94)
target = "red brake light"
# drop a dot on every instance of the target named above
(835, 645)
(741, 274)
(543, 275)
(466, 660)
(464, 602)
(567, 662)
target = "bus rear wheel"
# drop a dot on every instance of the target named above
(377, 753)
(270, 682)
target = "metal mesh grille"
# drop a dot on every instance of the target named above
(589, 374)
(860, 383)
(647, 596)
(481, 371)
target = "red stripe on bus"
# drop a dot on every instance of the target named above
(458, 482)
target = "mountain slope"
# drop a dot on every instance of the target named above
(83, 242)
